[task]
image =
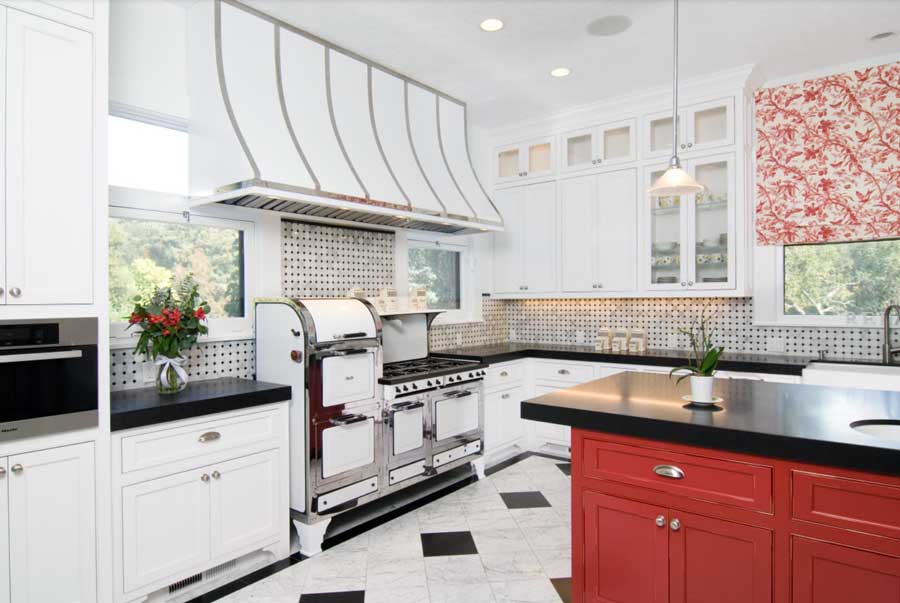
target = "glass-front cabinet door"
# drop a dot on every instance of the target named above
(712, 224)
(617, 142)
(709, 125)
(579, 150)
(593, 148)
(658, 134)
(664, 244)
(524, 161)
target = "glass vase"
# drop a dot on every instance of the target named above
(171, 377)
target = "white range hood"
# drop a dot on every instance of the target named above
(282, 120)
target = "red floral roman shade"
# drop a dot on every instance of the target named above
(828, 158)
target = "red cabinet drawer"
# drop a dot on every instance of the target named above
(864, 506)
(711, 479)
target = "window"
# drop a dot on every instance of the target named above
(853, 280)
(147, 249)
(147, 156)
(437, 270)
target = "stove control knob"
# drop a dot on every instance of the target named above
(405, 388)
(397, 389)
(430, 384)
(415, 386)
(471, 375)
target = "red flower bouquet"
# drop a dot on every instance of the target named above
(170, 323)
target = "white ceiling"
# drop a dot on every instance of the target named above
(504, 76)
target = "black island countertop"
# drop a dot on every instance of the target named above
(145, 406)
(806, 423)
(780, 364)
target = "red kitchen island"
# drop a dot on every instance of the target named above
(773, 496)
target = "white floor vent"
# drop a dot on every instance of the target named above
(203, 582)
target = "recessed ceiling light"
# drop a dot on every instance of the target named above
(609, 25)
(560, 72)
(882, 35)
(492, 24)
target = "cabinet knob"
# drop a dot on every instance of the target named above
(599, 160)
(504, 374)
(216, 475)
(504, 397)
(599, 285)
(683, 284)
(661, 521)
(2, 471)
(690, 283)
(675, 525)
(204, 478)
(15, 292)
(682, 145)
(17, 468)
(2, 291)
(524, 173)
(690, 144)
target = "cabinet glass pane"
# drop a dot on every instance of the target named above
(578, 150)
(539, 157)
(710, 125)
(508, 163)
(617, 143)
(665, 237)
(711, 223)
(661, 134)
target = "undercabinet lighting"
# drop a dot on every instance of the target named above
(492, 24)
(560, 72)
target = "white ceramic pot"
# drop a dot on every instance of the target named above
(701, 389)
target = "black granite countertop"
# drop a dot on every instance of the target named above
(781, 364)
(806, 423)
(139, 407)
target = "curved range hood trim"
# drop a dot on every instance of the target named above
(261, 193)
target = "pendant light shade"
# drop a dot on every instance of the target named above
(675, 181)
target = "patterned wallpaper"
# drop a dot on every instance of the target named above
(828, 158)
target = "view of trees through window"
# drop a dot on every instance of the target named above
(841, 278)
(144, 255)
(438, 271)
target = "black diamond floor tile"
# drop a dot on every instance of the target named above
(565, 468)
(563, 588)
(350, 596)
(439, 544)
(524, 500)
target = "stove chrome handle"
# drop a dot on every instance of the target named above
(459, 394)
(411, 405)
(354, 335)
(347, 420)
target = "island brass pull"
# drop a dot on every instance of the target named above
(661, 521)
(209, 436)
(675, 525)
(670, 471)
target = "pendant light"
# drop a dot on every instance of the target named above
(675, 181)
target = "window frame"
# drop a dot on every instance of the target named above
(468, 310)
(220, 329)
(768, 297)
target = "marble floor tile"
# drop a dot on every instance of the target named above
(538, 590)
(500, 540)
(557, 563)
(455, 570)
(517, 565)
(461, 593)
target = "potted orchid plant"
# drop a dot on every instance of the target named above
(170, 322)
(703, 362)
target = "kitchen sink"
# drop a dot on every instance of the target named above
(884, 429)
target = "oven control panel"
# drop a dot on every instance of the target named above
(429, 383)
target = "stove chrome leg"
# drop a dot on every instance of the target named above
(478, 467)
(311, 536)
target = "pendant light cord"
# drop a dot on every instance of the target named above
(674, 162)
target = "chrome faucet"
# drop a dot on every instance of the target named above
(888, 352)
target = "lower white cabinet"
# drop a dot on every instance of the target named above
(502, 418)
(227, 500)
(551, 433)
(47, 512)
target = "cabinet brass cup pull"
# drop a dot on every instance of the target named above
(209, 436)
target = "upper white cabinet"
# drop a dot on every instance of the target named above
(598, 147)
(525, 161)
(52, 550)
(598, 217)
(525, 256)
(702, 126)
(48, 144)
(689, 242)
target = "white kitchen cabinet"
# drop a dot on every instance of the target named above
(525, 161)
(48, 143)
(598, 217)
(551, 433)
(52, 546)
(502, 419)
(4, 530)
(165, 527)
(525, 257)
(702, 126)
(598, 146)
(689, 240)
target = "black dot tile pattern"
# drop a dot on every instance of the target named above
(524, 500)
(442, 544)
(350, 596)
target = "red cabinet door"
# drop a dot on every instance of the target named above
(711, 561)
(830, 573)
(625, 551)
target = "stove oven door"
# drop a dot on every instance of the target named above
(456, 415)
(346, 448)
(406, 420)
(348, 377)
